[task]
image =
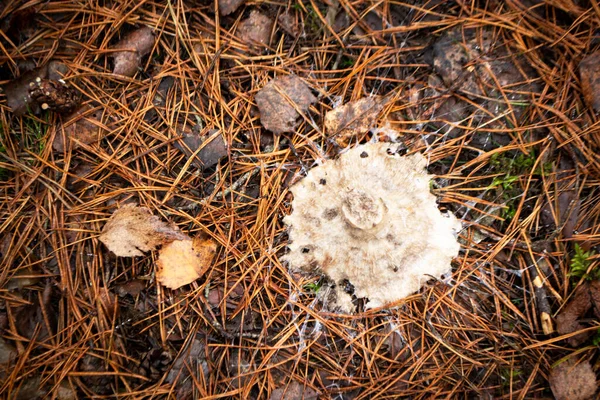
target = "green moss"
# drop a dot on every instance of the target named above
(314, 287)
(580, 263)
(35, 129)
(510, 168)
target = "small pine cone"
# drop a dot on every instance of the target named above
(54, 95)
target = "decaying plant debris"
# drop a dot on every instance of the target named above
(351, 120)
(207, 114)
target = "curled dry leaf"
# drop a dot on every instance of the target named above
(279, 101)
(133, 48)
(256, 29)
(573, 381)
(568, 321)
(54, 95)
(352, 119)
(589, 71)
(294, 391)
(133, 230)
(289, 24)
(7, 351)
(190, 361)
(132, 288)
(81, 127)
(226, 7)
(212, 147)
(183, 261)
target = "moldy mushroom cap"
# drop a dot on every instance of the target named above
(368, 220)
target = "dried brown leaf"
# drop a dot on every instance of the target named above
(294, 391)
(568, 319)
(571, 381)
(183, 261)
(289, 24)
(81, 127)
(226, 7)
(595, 296)
(256, 29)
(279, 100)
(213, 148)
(7, 351)
(133, 230)
(353, 119)
(132, 288)
(190, 361)
(135, 46)
(589, 71)
(215, 296)
(471, 63)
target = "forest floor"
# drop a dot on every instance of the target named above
(155, 104)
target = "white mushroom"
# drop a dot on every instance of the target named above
(369, 221)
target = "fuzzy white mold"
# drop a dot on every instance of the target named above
(369, 222)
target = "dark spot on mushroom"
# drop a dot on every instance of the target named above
(364, 154)
(330, 214)
(323, 181)
(347, 286)
(397, 152)
(392, 239)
